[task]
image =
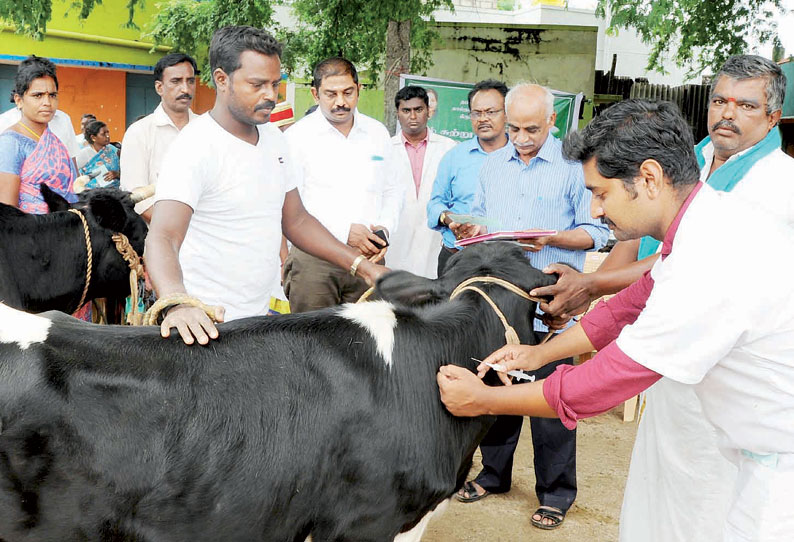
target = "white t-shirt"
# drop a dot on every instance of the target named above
(60, 125)
(346, 180)
(721, 317)
(236, 190)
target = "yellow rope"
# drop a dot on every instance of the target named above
(366, 294)
(151, 316)
(123, 246)
(89, 259)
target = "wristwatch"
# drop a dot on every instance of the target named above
(442, 218)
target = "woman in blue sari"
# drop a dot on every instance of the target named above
(99, 160)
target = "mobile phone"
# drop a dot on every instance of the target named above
(382, 235)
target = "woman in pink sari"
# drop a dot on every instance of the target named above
(30, 154)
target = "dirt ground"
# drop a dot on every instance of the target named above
(603, 452)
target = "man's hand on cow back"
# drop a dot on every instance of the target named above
(192, 323)
(363, 239)
(571, 294)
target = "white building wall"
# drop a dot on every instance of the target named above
(632, 53)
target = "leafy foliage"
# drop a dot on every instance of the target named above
(188, 25)
(694, 33)
(356, 30)
(31, 18)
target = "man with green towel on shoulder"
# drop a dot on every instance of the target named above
(676, 470)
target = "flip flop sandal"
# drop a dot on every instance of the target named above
(471, 489)
(547, 512)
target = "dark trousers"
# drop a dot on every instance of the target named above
(443, 256)
(311, 283)
(555, 454)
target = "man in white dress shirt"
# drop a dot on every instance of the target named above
(347, 179)
(147, 140)
(418, 151)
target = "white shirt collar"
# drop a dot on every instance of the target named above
(161, 118)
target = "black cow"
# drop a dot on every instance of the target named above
(43, 257)
(326, 424)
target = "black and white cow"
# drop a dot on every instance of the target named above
(325, 425)
(43, 257)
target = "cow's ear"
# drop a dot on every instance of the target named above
(108, 211)
(54, 201)
(408, 289)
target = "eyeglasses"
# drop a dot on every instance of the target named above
(488, 114)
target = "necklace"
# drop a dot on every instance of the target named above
(26, 127)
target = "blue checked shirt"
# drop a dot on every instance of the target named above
(548, 193)
(456, 185)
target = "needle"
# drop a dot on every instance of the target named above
(501, 368)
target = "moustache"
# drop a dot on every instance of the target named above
(605, 220)
(726, 124)
(188, 96)
(268, 104)
(340, 109)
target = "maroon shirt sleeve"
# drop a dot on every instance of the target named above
(586, 390)
(602, 325)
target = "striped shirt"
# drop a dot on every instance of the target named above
(548, 193)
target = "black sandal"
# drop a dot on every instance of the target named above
(547, 512)
(471, 489)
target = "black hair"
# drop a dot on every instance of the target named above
(741, 67)
(229, 42)
(409, 93)
(172, 59)
(336, 65)
(88, 116)
(30, 69)
(92, 129)
(488, 84)
(632, 131)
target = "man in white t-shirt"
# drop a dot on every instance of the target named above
(226, 192)
(348, 180)
(679, 485)
(147, 140)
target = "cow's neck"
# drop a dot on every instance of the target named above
(63, 261)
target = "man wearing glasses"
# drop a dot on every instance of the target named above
(457, 179)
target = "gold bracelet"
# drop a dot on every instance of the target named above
(354, 267)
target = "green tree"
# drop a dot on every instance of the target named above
(31, 17)
(389, 36)
(694, 33)
(188, 25)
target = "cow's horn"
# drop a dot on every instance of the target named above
(141, 193)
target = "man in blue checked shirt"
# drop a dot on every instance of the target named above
(529, 185)
(457, 178)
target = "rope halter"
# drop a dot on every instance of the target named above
(511, 337)
(89, 257)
